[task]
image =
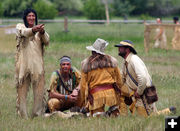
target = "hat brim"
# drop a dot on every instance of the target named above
(131, 48)
(91, 48)
(119, 45)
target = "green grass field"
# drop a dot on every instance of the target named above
(164, 67)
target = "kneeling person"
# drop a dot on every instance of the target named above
(100, 81)
(138, 80)
(64, 87)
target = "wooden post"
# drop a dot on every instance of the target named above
(107, 12)
(146, 38)
(65, 24)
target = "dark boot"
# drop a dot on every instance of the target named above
(172, 109)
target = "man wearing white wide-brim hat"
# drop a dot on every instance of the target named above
(100, 81)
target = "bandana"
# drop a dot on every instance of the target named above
(65, 59)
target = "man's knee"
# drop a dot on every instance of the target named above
(141, 111)
(54, 104)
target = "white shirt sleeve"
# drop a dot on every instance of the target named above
(45, 38)
(21, 30)
(141, 72)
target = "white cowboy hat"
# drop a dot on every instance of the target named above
(98, 46)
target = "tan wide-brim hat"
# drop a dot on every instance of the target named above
(127, 43)
(98, 46)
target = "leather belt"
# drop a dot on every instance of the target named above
(101, 88)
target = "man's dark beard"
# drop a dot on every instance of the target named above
(122, 54)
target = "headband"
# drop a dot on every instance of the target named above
(65, 59)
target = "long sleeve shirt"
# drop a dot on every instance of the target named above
(138, 71)
(30, 48)
(96, 77)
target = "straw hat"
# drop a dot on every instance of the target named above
(127, 43)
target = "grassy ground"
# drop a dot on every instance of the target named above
(164, 67)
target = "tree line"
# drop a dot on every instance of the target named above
(92, 9)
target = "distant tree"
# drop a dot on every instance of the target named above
(68, 6)
(122, 7)
(163, 7)
(94, 9)
(45, 9)
(1, 10)
(140, 6)
(155, 7)
(15, 7)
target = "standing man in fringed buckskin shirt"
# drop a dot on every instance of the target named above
(100, 81)
(31, 38)
(136, 77)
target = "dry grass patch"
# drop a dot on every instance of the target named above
(7, 41)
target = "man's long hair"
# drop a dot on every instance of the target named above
(97, 60)
(26, 12)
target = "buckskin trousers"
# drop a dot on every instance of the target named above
(38, 92)
(123, 110)
(141, 111)
(59, 105)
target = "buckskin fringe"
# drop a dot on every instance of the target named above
(101, 98)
